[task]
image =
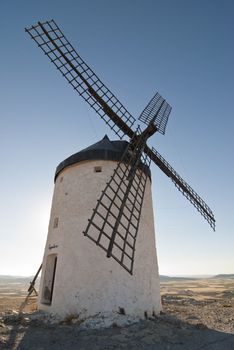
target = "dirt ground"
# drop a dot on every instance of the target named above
(197, 315)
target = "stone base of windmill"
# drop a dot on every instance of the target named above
(106, 320)
(98, 321)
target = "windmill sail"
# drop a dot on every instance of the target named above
(157, 110)
(182, 186)
(114, 223)
(81, 77)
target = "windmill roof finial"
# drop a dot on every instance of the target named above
(106, 137)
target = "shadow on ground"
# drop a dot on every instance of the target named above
(161, 333)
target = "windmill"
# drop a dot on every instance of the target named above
(114, 223)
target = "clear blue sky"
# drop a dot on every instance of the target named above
(183, 49)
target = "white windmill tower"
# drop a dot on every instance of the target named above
(76, 276)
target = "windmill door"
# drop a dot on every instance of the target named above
(49, 278)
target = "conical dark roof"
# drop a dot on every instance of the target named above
(101, 150)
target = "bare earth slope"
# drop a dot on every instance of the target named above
(198, 314)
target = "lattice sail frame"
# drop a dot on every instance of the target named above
(157, 110)
(114, 223)
(182, 186)
(62, 54)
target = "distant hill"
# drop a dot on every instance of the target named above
(224, 276)
(15, 279)
(164, 278)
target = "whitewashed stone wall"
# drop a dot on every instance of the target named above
(86, 281)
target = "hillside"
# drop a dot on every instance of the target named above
(225, 276)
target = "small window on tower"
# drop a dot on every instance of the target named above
(97, 169)
(56, 220)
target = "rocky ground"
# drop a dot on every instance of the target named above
(197, 315)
